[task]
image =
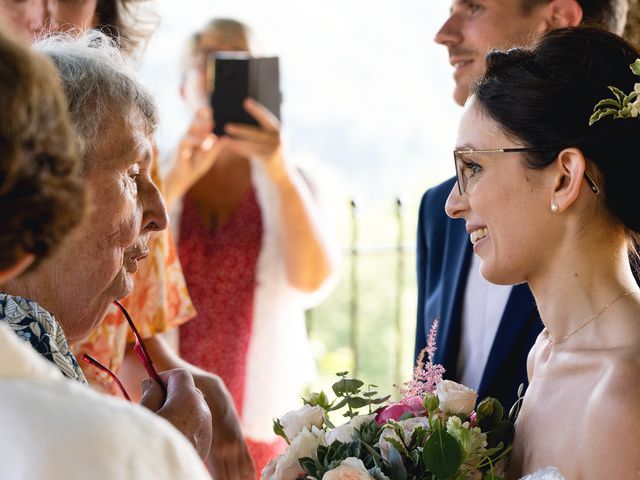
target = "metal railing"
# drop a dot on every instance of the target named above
(356, 252)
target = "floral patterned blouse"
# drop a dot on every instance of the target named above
(35, 325)
(159, 302)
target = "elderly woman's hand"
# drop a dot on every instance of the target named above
(229, 458)
(184, 407)
(262, 142)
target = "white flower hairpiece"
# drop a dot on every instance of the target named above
(622, 106)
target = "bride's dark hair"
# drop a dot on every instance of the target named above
(545, 95)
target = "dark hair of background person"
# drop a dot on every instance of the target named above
(610, 14)
(41, 192)
(545, 95)
(129, 23)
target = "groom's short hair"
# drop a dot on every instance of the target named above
(609, 14)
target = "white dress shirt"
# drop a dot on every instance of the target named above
(482, 310)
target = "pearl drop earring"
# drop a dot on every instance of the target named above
(554, 207)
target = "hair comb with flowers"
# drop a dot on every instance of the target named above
(622, 106)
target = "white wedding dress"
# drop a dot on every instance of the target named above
(549, 473)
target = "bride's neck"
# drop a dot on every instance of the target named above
(579, 280)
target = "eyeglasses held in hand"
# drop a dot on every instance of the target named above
(141, 352)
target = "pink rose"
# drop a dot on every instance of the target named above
(395, 411)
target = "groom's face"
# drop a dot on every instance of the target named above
(474, 27)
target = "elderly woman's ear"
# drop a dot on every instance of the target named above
(17, 268)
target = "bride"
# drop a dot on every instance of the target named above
(552, 201)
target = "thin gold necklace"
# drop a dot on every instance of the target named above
(589, 320)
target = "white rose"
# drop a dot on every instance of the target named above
(456, 398)
(306, 417)
(305, 444)
(343, 432)
(408, 426)
(350, 469)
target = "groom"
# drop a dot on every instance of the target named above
(485, 331)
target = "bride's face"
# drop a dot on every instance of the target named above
(505, 204)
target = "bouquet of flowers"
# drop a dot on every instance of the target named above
(435, 432)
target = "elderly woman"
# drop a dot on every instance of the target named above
(115, 120)
(49, 423)
(160, 300)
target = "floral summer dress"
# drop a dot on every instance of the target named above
(220, 270)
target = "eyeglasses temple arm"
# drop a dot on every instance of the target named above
(92, 361)
(141, 351)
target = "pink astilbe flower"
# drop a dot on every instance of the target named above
(426, 375)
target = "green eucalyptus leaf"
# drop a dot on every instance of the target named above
(347, 386)
(379, 401)
(338, 405)
(635, 67)
(357, 402)
(442, 454)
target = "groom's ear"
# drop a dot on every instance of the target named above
(569, 171)
(562, 13)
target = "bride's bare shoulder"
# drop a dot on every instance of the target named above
(612, 423)
(536, 351)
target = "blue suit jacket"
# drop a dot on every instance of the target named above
(443, 259)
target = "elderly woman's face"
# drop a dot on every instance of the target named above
(126, 207)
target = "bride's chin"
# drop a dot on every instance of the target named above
(499, 276)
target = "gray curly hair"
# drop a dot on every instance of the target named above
(99, 86)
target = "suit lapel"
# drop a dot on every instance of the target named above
(519, 311)
(457, 259)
